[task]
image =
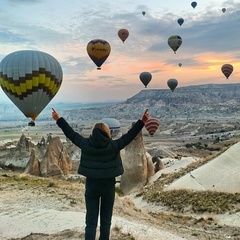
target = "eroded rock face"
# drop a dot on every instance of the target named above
(25, 143)
(33, 164)
(138, 166)
(56, 160)
(158, 164)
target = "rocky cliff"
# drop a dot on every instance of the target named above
(201, 101)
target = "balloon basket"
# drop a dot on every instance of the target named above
(31, 124)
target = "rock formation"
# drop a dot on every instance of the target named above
(33, 164)
(56, 160)
(24, 143)
(158, 164)
(138, 166)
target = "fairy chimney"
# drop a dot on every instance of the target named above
(32, 167)
(138, 166)
(24, 143)
(56, 160)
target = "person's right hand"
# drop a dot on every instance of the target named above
(55, 115)
(145, 116)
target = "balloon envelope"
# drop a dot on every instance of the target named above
(174, 42)
(123, 34)
(143, 13)
(145, 78)
(98, 50)
(172, 83)
(113, 124)
(180, 21)
(224, 10)
(194, 4)
(227, 70)
(30, 79)
(152, 125)
(180, 64)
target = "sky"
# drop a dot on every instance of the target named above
(210, 38)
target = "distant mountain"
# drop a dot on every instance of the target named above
(8, 111)
(191, 102)
(201, 101)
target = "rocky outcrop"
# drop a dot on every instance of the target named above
(138, 166)
(56, 160)
(158, 164)
(25, 143)
(33, 164)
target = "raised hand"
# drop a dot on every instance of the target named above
(55, 115)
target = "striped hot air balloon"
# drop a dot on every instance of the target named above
(152, 125)
(30, 79)
(227, 70)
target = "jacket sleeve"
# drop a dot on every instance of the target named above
(130, 135)
(69, 132)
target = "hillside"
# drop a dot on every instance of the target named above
(201, 101)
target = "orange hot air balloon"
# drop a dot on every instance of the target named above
(152, 125)
(98, 50)
(123, 34)
(227, 70)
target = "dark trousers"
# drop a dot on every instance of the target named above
(99, 193)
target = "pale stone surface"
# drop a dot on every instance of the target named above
(33, 164)
(56, 160)
(138, 166)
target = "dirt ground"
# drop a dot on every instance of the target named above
(27, 196)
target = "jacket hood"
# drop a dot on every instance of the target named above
(99, 138)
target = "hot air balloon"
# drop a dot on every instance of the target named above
(143, 13)
(123, 34)
(194, 4)
(180, 21)
(30, 79)
(227, 70)
(113, 124)
(98, 50)
(145, 78)
(224, 10)
(152, 125)
(180, 64)
(174, 42)
(172, 83)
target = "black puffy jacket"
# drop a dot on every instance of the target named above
(100, 157)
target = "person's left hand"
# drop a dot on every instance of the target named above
(55, 115)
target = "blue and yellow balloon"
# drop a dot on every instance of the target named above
(174, 42)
